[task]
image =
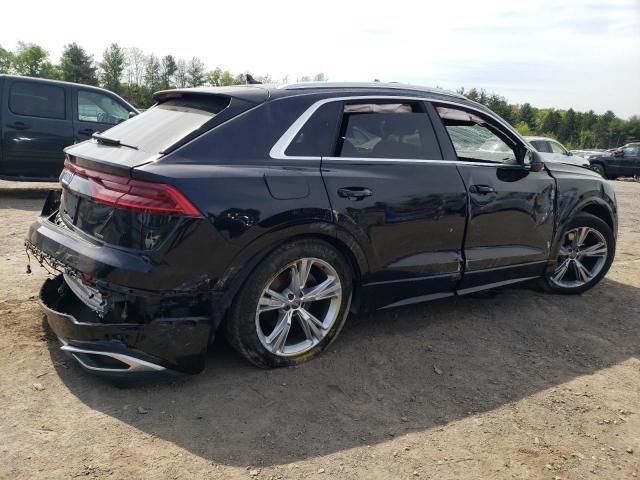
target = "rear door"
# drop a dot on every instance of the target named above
(511, 208)
(95, 111)
(390, 189)
(36, 127)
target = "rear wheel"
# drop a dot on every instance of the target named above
(292, 306)
(584, 257)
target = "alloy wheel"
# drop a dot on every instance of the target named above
(583, 254)
(298, 307)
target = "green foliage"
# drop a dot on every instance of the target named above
(77, 66)
(114, 61)
(6, 60)
(573, 129)
(33, 61)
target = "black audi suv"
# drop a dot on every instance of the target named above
(271, 213)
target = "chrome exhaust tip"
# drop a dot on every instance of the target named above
(109, 362)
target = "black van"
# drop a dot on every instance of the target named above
(39, 117)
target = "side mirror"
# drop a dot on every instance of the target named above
(132, 114)
(618, 153)
(569, 154)
(536, 164)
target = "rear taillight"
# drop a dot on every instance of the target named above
(124, 192)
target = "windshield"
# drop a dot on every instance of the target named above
(166, 123)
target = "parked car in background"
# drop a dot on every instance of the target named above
(621, 162)
(39, 118)
(588, 154)
(271, 213)
(554, 151)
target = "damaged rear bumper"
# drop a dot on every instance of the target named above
(163, 344)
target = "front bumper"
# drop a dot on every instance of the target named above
(161, 344)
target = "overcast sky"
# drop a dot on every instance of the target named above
(552, 53)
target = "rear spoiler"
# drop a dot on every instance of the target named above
(247, 93)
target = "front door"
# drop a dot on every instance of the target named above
(390, 189)
(37, 127)
(95, 112)
(511, 208)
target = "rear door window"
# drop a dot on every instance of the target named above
(541, 146)
(165, 124)
(37, 100)
(389, 130)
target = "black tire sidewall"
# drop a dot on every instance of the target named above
(241, 324)
(586, 220)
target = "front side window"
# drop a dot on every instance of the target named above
(474, 138)
(37, 100)
(557, 148)
(99, 108)
(386, 130)
(631, 151)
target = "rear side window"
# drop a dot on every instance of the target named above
(541, 146)
(317, 137)
(169, 122)
(37, 100)
(387, 130)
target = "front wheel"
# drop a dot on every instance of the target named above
(292, 306)
(585, 255)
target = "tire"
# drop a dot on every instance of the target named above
(309, 325)
(596, 167)
(595, 262)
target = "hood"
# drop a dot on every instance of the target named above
(556, 167)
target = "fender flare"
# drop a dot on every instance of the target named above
(252, 254)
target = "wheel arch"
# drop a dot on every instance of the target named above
(251, 256)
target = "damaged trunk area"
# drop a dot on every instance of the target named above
(113, 330)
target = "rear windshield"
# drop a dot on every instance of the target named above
(166, 123)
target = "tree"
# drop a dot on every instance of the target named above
(527, 115)
(152, 77)
(114, 61)
(6, 60)
(320, 77)
(215, 77)
(33, 61)
(195, 72)
(549, 122)
(168, 69)
(77, 65)
(181, 74)
(568, 128)
(136, 61)
(227, 79)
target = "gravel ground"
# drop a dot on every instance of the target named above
(521, 384)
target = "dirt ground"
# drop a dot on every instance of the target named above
(522, 384)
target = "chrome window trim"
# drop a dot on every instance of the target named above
(277, 152)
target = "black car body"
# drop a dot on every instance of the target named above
(40, 117)
(622, 162)
(381, 174)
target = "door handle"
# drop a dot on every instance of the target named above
(18, 126)
(354, 193)
(87, 131)
(482, 189)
